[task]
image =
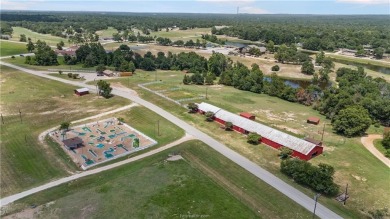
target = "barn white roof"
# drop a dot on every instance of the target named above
(272, 134)
(80, 90)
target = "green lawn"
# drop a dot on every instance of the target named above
(184, 35)
(378, 145)
(359, 60)
(353, 163)
(43, 104)
(49, 39)
(107, 32)
(8, 48)
(154, 188)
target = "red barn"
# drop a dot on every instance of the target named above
(313, 120)
(81, 91)
(302, 149)
(248, 115)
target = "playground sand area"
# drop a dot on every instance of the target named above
(102, 141)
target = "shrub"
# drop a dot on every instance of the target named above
(75, 76)
(228, 126)
(254, 138)
(192, 107)
(209, 116)
(275, 68)
(386, 140)
(285, 153)
(70, 75)
(13, 57)
(60, 72)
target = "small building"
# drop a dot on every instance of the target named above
(313, 120)
(81, 91)
(108, 73)
(248, 115)
(73, 143)
(126, 73)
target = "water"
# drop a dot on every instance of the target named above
(299, 83)
(380, 69)
(236, 44)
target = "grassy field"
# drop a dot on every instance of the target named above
(155, 188)
(49, 39)
(354, 165)
(184, 35)
(378, 145)
(359, 60)
(8, 48)
(43, 104)
(107, 32)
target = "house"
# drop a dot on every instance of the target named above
(313, 120)
(248, 115)
(73, 143)
(81, 91)
(71, 51)
(301, 148)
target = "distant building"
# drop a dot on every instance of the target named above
(73, 143)
(71, 51)
(81, 91)
(248, 115)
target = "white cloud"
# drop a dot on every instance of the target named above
(367, 2)
(253, 10)
(12, 5)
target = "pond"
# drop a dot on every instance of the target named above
(377, 68)
(299, 83)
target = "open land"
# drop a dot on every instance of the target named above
(365, 174)
(49, 39)
(184, 188)
(8, 48)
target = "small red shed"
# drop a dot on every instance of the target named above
(248, 115)
(313, 120)
(81, 91)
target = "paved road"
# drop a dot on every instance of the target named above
(12, 198)
(368, 142)
(286, 189)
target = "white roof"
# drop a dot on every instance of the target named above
(272, 134)
(80, 90)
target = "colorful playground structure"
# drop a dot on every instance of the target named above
(101, 141)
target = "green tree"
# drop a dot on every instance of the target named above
(360, 51)
(117, 37)
(253, 138)
(378, 52)
(104, 88)
(209, 79)
(275, 68)
(30, 46)
(307, 68)
(23, 38)
(192, 107)
(285, 153)
(386, 140)
(120, 120)
(352, 121)
(217, 63)
(209, 116)
(132, 67)
(324, 75)
(228, 126)
(100, 68)
(186, 79)
(320, 57)
(270, 46)
(65, 126)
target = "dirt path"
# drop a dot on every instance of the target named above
(368, 142)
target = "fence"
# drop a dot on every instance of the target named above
(72, 70)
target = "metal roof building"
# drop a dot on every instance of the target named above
(302, 146)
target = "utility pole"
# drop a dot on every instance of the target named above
(346, 194)
(20, 115)
(315, 203)
(323, 131)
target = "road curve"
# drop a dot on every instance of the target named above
(368, 142)
(286, 189)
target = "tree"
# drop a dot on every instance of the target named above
(65, 126)
(147, 64)
(275, 68)
(360, 51)
(209, 79)
(117, 37)
(131, 67)
(378, 52)
(228, 126)
(59, 47)
(209, 116)
(120, 120)
(60, 72)
(352, 121)
(70, 75)
(100, 68)
(285, 153)
(30, 46)
(23, 38)
(193, 107)
(104, 88)
(324, 75)
(307, 68)
(270, 46)
(320, 57)
(186, 79)
(253, 138)
(386, 140)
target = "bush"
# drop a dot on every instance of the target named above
(13, 57)
(228, 126)
(254, 138)
(70, 75)
(192, 107)
(75, 76)
(386, 140)
(352, 121)
(319, 178)
(275, 68)
(209, 116)
(285, 153)
(60, 72)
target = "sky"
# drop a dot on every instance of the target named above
(207, 6)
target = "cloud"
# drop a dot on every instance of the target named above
(253, 10)
(13, 5)
(367, 2)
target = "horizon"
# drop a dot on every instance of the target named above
(289, 7)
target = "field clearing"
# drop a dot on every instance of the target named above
(49, 39)
(360, 60)
(184, 35)
(8, 48)
(43, 104)
(369, 72)
(366, 175)
(107, 32)
(197, 185)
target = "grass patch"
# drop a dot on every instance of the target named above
(43, 104)
(154, 188)
(8, 48)
(107, 32)
(184, 35)
(359, 60)
(378, 145)
(65, 76)
(49, 39)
